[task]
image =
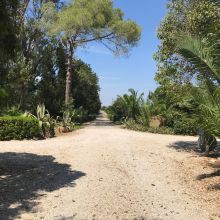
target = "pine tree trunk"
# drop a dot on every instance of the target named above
(68, 93)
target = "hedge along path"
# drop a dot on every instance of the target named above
(18, 128)
(105, 172)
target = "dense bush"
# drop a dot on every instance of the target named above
(129, 107)
(133, 125)
(18, 128)
(185, 126)
(178, 111)
(13, 111)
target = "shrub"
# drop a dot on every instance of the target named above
(66, 121)
(185, 126)
(160, 130)
(13, 111)
(18, 128)
(131, 124)
(45, 121)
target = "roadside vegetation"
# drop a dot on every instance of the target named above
(44, 87)
(187, 97)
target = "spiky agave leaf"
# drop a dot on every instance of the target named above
(41, 110)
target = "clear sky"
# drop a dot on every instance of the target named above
(137, 71)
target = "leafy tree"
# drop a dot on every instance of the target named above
(131, 103)
(8, 38)
(196, 18)
(176, 106)
(187, 58)
(130, 107)
(8, 42)
(37, 72)
(85, 21)
(85, 88)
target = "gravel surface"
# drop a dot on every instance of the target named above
(105, 172)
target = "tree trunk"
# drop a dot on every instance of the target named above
(68, 93)
(21, 13)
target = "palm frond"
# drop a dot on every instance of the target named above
(203, 56)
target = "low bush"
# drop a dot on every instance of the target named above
(132, 125)
(13, 111)
(161, 130)
(185, 126)
(18, 128)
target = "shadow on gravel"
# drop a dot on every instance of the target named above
(188, 146)
(191, 146)
(25, 177)
(216, 173)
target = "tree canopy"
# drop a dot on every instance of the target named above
(85, 21)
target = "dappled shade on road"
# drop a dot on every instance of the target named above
(24, 175)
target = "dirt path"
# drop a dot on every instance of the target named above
(104, 172)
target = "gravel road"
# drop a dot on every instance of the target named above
(105, 172)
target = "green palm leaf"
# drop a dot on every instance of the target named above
(202, 55)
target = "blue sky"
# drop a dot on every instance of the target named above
(137, 71)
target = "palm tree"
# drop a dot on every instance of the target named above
(205, 57)
(132, 103)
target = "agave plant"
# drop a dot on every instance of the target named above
(46, 122)
(66, 120)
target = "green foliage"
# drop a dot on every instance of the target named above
(131, 104)
(133, 125)
(46, 122)
(81, 115)
(185, 126)
(131, 110)
(161, 130)
(85, 88)
(66, 120)
(202, 54)
(83, 21)
(13, 111)
(209, 110)
(18, 128)
(127, 106)
(144, 116)
(9, 30)
(177, 106)
(187, 62)
(36, 73)
(197, 19)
